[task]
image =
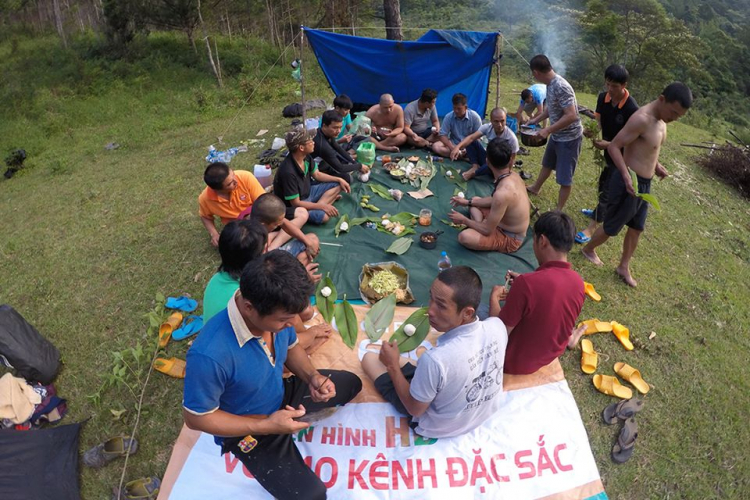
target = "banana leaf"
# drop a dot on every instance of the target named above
(325, 304)
(651, 199)
(371, 296)
(404, 218)
(381, 191)
(379, 317)
(361, 220)
(338, 230)
(456, 178)
(400, 246)
(346, 323)
(460, 227)
(405, 232)
(421, 322)
(425, 181)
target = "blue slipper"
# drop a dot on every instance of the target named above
(182, 304)
(588, 213)
(188, 329)
(580, 238)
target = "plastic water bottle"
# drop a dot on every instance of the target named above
(444, 262)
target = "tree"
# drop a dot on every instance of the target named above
(392, 11)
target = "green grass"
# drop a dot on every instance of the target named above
(91, 236)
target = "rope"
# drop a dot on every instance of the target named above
(231, 122)
(516, 50)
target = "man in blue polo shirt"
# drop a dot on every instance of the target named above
(233, 383)
(457, 126)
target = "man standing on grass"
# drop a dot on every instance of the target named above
(613, 109)
(229, 194)
(565, 132)
(637, 148)
(234, 388)
(293, 181)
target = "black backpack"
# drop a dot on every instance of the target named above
(31, 355)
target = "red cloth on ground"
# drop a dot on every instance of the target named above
(542, 307)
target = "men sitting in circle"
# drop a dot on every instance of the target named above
(233, 381)
(533, 100)
(421, 123)
(269, 210)
(387, 124)
(228, 194)
(498, 222)
(334, 160)
(495, 129)
(242, 241)
(457, 385)
(292, 182)
(457, 126)
(541, 308)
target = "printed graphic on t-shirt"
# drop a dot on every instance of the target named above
(489, 382)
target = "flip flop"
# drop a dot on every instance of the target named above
(589, 289)
(166, 328)
(364, 348)
(621, 410)
(595, 326)
(623, 335)
(582, 238)
(589, 357)
(623, 449)
(190, 327)
(174, 367)
(609, 385)
(633, 376)
(185, 304)
(146, 488)
(588, 212)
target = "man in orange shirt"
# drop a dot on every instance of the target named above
(228, 193)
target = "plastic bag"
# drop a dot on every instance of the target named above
(361, 125)
(366, 153)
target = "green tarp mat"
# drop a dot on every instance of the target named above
(362, 245)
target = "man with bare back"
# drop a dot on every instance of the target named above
(387, 124)
(499, 222)
(636, 147)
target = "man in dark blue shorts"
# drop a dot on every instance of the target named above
(613, 110)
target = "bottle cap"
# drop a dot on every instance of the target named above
(443, 254)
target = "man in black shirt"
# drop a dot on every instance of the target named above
(292, 182)
(613, 109)
(335, 161)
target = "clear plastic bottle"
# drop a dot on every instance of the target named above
(444, 262)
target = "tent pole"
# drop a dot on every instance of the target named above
(498, 51)
(301, 74)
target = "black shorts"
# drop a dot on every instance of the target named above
(425, 133)
(384, 385)
(624, 209)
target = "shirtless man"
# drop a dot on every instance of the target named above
(387, 124)
(641, 139)
(498, 222)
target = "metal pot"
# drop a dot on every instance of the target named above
(429, 245)
(531, 138)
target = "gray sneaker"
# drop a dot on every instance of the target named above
(103, 453)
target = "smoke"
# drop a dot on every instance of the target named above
(553, 45)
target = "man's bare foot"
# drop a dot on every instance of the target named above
(624, 273)
(392, 149)
(592, 257)
(576, 336)
(469, 174)
(530, 190)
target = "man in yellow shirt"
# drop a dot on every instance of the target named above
(227, 194)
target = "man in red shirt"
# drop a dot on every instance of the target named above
(542, 307)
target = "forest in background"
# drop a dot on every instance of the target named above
(704, 44)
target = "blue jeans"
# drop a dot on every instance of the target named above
(316, 192)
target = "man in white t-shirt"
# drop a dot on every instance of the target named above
(457, 385)
(496, 128)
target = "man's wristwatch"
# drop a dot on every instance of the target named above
(469, 202)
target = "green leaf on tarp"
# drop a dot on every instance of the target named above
(404, 218)
(425, 180)
(400, 246)
(455, 177)
(651, 199)
(325, 304)
(460, 227)
(338, 230)
(379, 317)
(381, 191)
(405, 232)
(346, 322)
(357, 221)
(422, 324)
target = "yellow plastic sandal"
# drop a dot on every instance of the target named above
(633, 376)
(589, 289)
(609, 385)
(623, 335)
(165, 330)
(595, 326)
(174, 367)
(589, 357)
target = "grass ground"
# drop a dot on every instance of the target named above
(90, 237)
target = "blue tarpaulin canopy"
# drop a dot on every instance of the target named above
(447, 61)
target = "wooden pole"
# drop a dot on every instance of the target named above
(302, 73)
(498, 52)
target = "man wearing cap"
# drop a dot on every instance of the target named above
(293, 181)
